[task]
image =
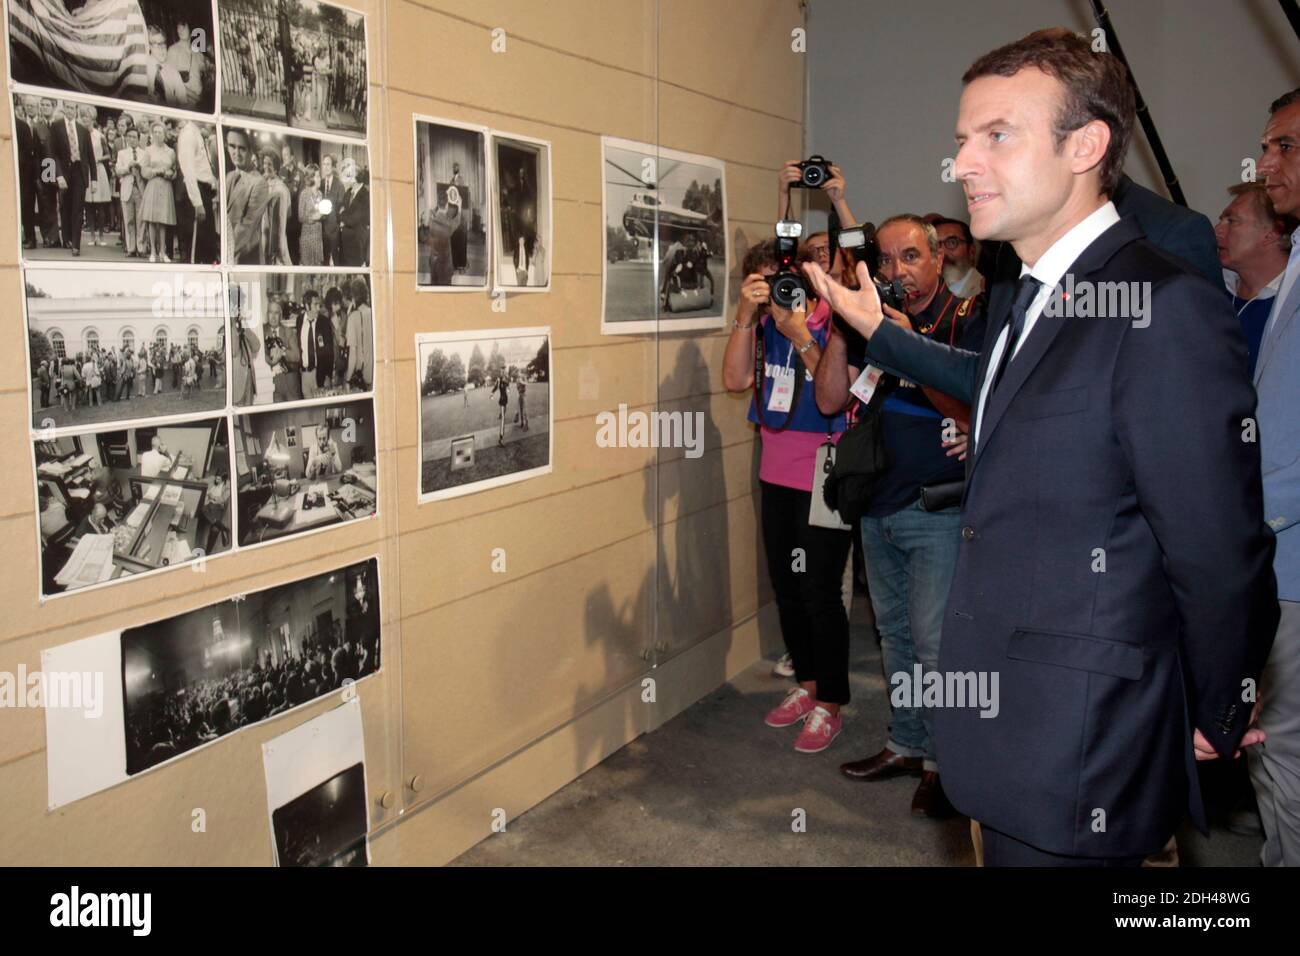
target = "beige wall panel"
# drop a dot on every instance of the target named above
(539, 83)
(703, 583)
(536, 538)
(617, 33)
(487, 675)
(763, 78)
(697, 124)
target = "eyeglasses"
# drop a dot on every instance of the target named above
(952, 242)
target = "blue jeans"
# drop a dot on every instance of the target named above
(910, 556)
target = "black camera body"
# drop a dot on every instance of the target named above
(860, 243)
(813, 172)
(787, 287)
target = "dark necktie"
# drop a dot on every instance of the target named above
(311, 346)
(1026, 289)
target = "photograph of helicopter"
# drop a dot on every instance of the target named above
(665, 240)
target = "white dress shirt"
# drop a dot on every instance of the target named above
(1048, 270)
(192, 156)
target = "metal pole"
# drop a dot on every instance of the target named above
(1143, 114)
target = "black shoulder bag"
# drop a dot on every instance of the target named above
(860, 458)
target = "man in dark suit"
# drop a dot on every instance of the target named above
(316, 341)
(1114, 572)
(1181, 232)
(47, 190)
(331, 188)
(29, 171)
(354, 219)
(73, 154)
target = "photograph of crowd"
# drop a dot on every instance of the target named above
(485, 409)
(451, 203)
(296, 62)
(193, 678)
(300, 335)
(523, 191)
(326, 826)
(117, 503)
(665, 242)
(305, 468)
(158, 52)
(114, 184)
(295, 201)
(110, 346)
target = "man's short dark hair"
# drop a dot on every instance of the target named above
(1095, 85)
(1283, 101)
(760, 254)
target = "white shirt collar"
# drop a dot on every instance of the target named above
(1230, 280)
(1051, 265)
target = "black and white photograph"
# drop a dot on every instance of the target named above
(522, 174)
(316, 791)
(300, 335)
(305, 468)
(295, 62)
(115, 184)
(159, 52)
(665, 239)
(326, 826)
(119, 345)
(295, 200)
(191, 679)
(115, 503)
(451, 206)
(485, 409)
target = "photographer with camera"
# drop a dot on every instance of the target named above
(910, 525)
(774, 349)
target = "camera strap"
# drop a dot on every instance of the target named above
(760, 377)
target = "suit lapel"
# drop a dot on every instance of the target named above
(1044, 332)
(1280, 320)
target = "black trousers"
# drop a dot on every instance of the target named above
(806, 565)
(1003, 850)
(72, 203)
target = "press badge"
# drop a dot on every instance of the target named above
(865, 386)
(782, 394)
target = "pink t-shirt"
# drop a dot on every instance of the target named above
(788, 457)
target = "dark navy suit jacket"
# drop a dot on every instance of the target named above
(1103, 435)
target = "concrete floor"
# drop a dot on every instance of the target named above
(714, 786)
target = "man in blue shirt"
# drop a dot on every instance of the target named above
(1253, 242)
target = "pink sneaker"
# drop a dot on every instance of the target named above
(796, 706)
(818, 731)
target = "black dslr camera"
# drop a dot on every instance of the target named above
(787, 286)
(863, 247)
(813, 172)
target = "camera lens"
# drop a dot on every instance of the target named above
(787, 289)
(813, 176)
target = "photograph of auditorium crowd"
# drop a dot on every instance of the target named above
(115, 346)
(296, 62)
(157, 52)
(119, 502)
(114, 184)
(300, 335)
(303, 469)
(295, 200)
(191, 679)
(326, 826)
